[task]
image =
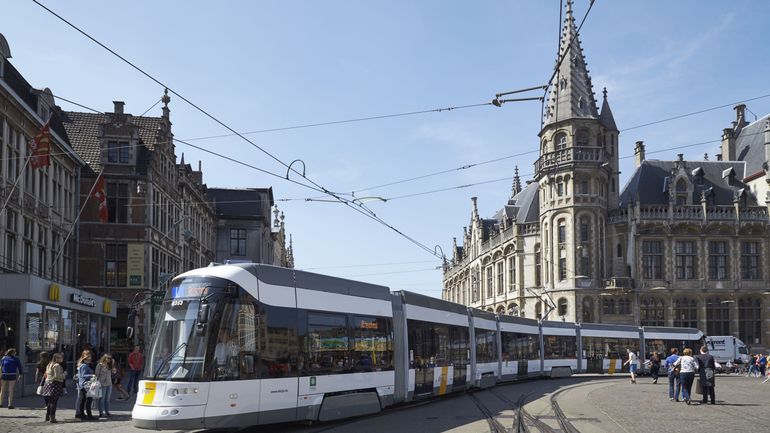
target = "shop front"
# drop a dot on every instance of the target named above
(38, 315)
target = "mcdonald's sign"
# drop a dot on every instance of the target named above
(107, 306)
(54, 292)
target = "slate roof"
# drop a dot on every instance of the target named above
(649, 183)
(83, 130)
(750, 145)
(522, 208)
(241, 203)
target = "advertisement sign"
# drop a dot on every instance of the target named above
(135, 265)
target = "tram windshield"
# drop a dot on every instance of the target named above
(178, 348)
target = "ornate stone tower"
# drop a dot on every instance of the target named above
(577, 172)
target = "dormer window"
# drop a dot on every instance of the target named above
(117, 152)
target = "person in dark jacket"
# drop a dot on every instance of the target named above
(707, 375)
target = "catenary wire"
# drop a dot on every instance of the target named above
(360, 208)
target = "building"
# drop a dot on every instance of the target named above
(683, 244)
(244, 231)
(41, 310)
(159, 222)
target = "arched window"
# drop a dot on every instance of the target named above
(652, 312)
(582, 137)
(513, 309)
(561, 141)
(588, 310)
(544, 147)
(562, 303)
(500, 310)
(750, 320)
(681, 186)
(718, 316)
(624, 306)
(685, 313)
(562, 233)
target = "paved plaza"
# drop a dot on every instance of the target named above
(592, 403)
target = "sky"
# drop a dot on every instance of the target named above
(276, 64)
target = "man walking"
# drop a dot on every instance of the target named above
(135, 364)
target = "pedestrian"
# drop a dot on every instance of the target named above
(85, 373)
(42, 364)
(688, 367)
(654, 363)
(10, 372)
(54, 385)
(762, 364)
(104, 376)
(135, 364)
(674, 383)
(707, 374)
(632, 364)
(116, 377)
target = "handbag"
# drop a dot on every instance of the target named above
(698, 389)
(39, 390)
(93, 389)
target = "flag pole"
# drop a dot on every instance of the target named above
(74, 223)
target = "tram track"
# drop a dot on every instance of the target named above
(495, 425)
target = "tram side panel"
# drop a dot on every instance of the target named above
(604, 347)
(486, 354)
(559, 340)
(437, 346)
(520, 348)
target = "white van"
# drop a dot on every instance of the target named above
(727, 348)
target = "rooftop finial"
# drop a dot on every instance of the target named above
(516, 182)
(569, 8)
(604, 92)
(165, 99)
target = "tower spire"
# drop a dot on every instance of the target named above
(516, 187)
(571, 93)
(606, 118)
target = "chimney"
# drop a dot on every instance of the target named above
(740, 117)
(728, 145)
(639, 153)
(118, 107)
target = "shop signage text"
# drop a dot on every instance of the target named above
(83, 300)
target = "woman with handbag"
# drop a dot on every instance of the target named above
(42, 363)
(85, 374)
(689, 366)
(104, 376)
(54, 386)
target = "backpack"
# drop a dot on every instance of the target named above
(709, 373)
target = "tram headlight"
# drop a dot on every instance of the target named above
(173, 392)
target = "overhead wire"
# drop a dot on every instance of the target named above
(358, 208)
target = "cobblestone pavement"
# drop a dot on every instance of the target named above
(593, 404)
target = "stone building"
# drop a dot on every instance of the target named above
(244, 231)
(683, 244)
(42, 309)
(159, 222)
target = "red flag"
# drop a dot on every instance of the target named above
(101, 199)
(40, 148)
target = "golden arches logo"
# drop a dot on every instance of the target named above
(54, 292)
(107, 306)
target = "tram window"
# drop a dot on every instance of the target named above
(519, 346)
(233, 338)
(559, 347)
(486, 346)
(278, 351)
(372, 344)
(458, 346)
(327, 343)
(604, 347)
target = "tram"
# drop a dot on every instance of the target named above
(251, 344)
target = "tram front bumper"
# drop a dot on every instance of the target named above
(168, 418)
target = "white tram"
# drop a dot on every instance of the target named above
(251, 344)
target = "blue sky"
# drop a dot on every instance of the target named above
(262, 65)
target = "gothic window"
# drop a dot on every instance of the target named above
(511, 274)
(580, 102)
(750, 261)
(583, 230)
(750, 320)
(562, 303)
(562, 268)
(608, 306)
(624, 306)
(488, 271)
(588, 310)
(685, 260)
(545, 148)
(718, 316)
(561, 141)
(652, 260)
(619, 250)
(500, 310)
(652, 312)
(500, 284)
(718, 260)
(562, 234)
(685, 313)
(538, 267)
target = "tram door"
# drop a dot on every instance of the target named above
(595, 364)
(459, 356)
(422, 358)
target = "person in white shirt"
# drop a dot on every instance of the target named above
(632, 364)
(689, 366)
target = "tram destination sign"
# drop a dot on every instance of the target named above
(83, 300)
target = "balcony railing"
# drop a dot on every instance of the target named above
(695, 212)
(570, 155)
